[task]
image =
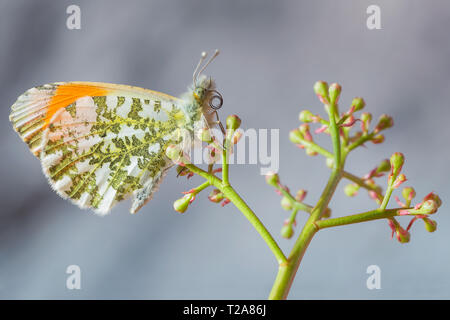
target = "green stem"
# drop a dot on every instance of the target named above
(334, 131)
(386, 198)
(231, 194)
(361, 182)
(225, 166)
(296, 204)
(288, 270)
(315, 147)
(357, 218)
(360, 141)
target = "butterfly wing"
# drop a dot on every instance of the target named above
(99, 143)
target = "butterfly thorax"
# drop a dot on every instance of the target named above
(197, 105)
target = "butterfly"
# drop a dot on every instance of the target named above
(102, 143)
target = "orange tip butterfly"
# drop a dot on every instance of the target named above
(101, 143)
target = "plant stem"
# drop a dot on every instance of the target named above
(298, 205)
(361, 182)
(229, 192)
(334, 132)
(315, 147)
(232, 195)
(288, 270)
(360, 141)
(357, 218)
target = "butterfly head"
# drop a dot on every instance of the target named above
(204, 88)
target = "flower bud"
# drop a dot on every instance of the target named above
(408, 193)
(430, 225)
(433, 196)
(428, 207)
(272, 179)
(351, 190)
(366, 118)
(182, 171)
(306, 116)
(304, 129)
(326, 213)
(329, 162)
(397, 160)
(402, 235)
(296, 136)
(334, 92)
(400, 179)
(182, 204)
(215, 196)
(379, 138)
(286, 204)
(321, 90)
(300, 195)
(204, 135)
(384, 166)
(174, 152)
(233, 122)
(236, 136)
(311, 152)
(384, 122)
(357, 104)
(287, 231)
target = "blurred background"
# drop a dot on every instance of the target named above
(272, 52)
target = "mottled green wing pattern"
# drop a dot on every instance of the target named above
(98, 150)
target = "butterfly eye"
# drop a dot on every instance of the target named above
(216, 100)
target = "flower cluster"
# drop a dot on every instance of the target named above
(215, 152)
(348, 141)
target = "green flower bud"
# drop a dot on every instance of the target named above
(430, 225)
(366, 118)
(403, 236)
(358, 104)
(286, 204)
(397, 160)
(287, 231)
(384, 122)
(429, 207)
(205, 135)
(433, 196)
(296, 136)
(334, 92)
(306, 116)
(378, 139)
(329, 162)
(311, 152)
(182, 171)
(384, 166)
(351, 190)
(300, 195)
(272, 179)
(216, 196)
(399, 180)
(174, 152)
(233, 122)
(326, 213)
(408, 193)
(182, 204)
(321, 90)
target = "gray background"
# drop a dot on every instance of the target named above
(272, 53)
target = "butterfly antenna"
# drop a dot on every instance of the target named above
(216, 53)
(196, 73)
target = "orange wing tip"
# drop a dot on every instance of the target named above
(35, 109)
